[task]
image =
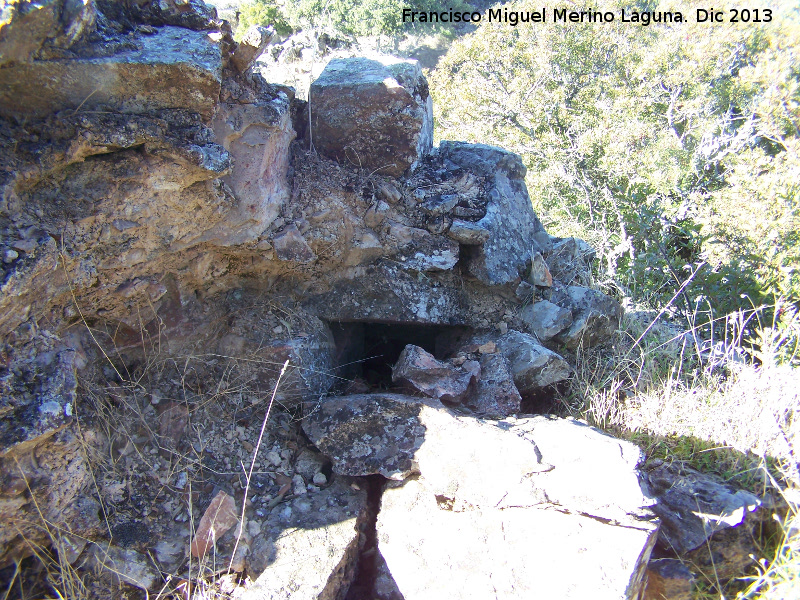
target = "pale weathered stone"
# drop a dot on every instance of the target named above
(510, 553)
(257, 137)
(373, 113)
(179, 68)
(494, 394)
(124, 565)
(509, 217)
(532, 365)
(420, 370)
(545, 320)
(467, 233)
(595, 317)
(252, 44)
(312, 553)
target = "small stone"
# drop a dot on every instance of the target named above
(320, 479)
(10, 255)
(274, 458)
(487, 348)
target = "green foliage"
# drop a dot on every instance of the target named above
(368, 17)
(669, 148)
(263, 12)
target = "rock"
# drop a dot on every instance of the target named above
(668, 579)
(252, 44)
(124, 565)
(257, 135)
(593, 473)
(426, 252)
(179, 68)
(532, 365)
(309, 465)
(421, 371)
(494, 394)
(474, 516)
(595, 317)
(218, 518)
(509, 219)
(489, 553)
(693, 505)
(290, 246)
(325, 536)
(730, 552)
(385, 292)
(540, 274)
(37, 399)
(467, 233)
(545, 320)
(367, 434)
(570, 261)
(27, 27)
(374, 113)
(525, 292)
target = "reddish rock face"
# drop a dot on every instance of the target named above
(372, 113)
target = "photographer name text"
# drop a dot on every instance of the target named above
(565, 16)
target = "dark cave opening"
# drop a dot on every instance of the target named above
(366, 351)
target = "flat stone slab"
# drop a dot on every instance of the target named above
(172, 68)
(521, 553)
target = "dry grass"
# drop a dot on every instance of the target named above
(739, 419)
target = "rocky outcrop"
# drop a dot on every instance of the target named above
(373, 113)
(174, 262)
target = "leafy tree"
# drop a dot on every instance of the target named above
(666, 147)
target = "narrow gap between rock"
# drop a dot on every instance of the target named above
(366, 351)
(367, 568)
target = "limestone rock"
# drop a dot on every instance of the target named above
(474, 516)
(509, 218)
(44, 484)
(374, 113)
(468, 233)
(595, 317)
(693, 506)
(494, 394)
(385, 292)
(489, 553)
(570, 261)
(309, 551)
(532, 365)
(124, 565)
(290, 246)
(434, 378)
(668, 579)
(593, 473)
(545, 320)
(27, 27)
(37, 399)
(179, 68)
(257, 135)
(252, 44)
(366, 434)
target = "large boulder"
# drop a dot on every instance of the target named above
(374, 113)
(179, 68)
(500, 516)
(504, 234)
